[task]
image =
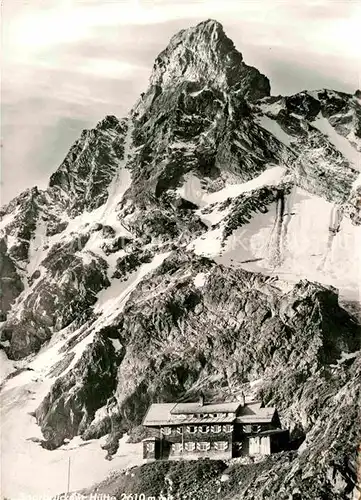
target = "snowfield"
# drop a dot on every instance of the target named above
(193, 191)
(23, 393)
(311, 240)
(275, 129)
(23, 458)
(313, 243)
(272, 176)
(341, 143)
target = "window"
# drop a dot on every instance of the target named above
(177, 447)
(254, 446)
(247, 428)
(204, 429)
(216, 428)
(191, 429)
(215, 415)
(203, 446)
(166, 431)
(255, 428)
(150, 447)
(239, 446)
(190, 446)
(228, 428)
(180, 417)
(221, 445)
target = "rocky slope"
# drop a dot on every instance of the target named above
(208, 240)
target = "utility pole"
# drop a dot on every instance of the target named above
(182, 439)
(68, 485)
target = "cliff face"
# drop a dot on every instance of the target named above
(206, 241)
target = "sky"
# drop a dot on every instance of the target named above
(68, 63)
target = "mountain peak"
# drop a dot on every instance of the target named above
(210, 24)
(205, 54)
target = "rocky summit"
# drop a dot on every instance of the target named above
(207, 241)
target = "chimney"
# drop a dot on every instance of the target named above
(201, 399)
(242, 399)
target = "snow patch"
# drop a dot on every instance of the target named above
(255, 383)
(272, 108)
(11, 240)
(209, 244)
(200, 280)
(271, 176)
(213, 217)
(299, 245)
(353, 139)
(22, 481)
(112, 299)
(275, 129)
(348, 355)
(19, 397)
(37, 253)
(79, 349)
(340, 142)
(313, 93)
(192, 190)
(345, 356)
(100, 414)
(197, 92)
(6, 366)
(116, 344)
(8, 219)
(182, 145)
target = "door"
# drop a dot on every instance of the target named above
(265, 446)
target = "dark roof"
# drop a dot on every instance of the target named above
(270, 432)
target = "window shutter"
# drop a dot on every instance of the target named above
(177, 447)
(221, 445)
(203, 446)
(150, 447)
